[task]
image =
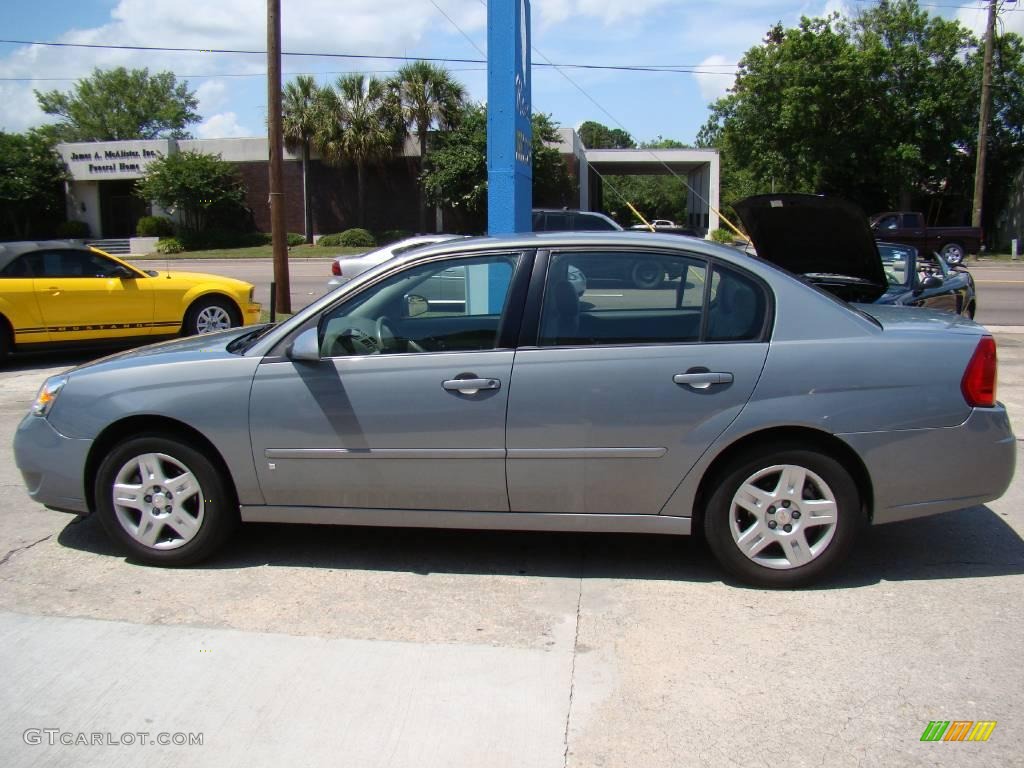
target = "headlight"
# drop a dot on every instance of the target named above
(48, 395)
(252, 294)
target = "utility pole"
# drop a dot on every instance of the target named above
(282, 290)
(986, 105)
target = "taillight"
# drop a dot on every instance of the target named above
(335, 268)
(979, 382)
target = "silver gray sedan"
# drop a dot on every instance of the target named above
(736, 398)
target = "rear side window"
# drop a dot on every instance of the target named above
(736, 307)
(596, 298)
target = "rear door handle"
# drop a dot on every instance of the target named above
(702, 380)
(470, 386)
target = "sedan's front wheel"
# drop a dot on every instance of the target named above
(163, 501)
(784, 518)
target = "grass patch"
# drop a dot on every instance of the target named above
(257, 252)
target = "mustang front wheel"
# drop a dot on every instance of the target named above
(783, 519)
(209, 315)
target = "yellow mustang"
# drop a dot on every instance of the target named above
(63, 294)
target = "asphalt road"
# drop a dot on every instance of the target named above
(1000, 288)
(410, 648)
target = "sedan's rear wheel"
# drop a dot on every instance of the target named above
(163, 501)
(210, 315)
(784, 518)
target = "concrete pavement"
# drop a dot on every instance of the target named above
(382, 647)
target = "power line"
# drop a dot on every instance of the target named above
(669, 68)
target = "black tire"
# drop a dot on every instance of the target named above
(953, 253)
(192, 324)
(648, 274)
(850, 519)
(217, 516)
(6, 341)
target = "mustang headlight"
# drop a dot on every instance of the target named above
(48, 395)
(252, 294)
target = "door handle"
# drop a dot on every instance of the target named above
(702, 380)
(470, 386)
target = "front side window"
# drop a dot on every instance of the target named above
(72, 263)
(452, 305)
(18, 268)
(591, 298)
(888, 222)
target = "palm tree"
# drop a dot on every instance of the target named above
(362, 124)
(429, 96)
(301, 111)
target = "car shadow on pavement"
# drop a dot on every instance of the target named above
(38, 361)
(970, 543)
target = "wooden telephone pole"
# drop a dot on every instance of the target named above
(282, 290)
(986, 105)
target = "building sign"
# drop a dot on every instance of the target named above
(509, 132)
(100, 161)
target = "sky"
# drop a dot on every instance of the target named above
(706, 37)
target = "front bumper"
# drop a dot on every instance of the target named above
(920, 472)
(52, 465)
(251, 313)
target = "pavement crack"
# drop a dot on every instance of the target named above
(572, 671)
(12, 552)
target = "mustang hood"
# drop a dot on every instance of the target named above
(827, 240)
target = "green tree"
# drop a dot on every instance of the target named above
(659, 196)
(430, 98)
(456, 172)
(202, 188)
(116, 104)
(881, 108)
(362, 125)
(32, 177)
(595, 135)
(302, 113)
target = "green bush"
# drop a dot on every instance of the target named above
(222, 238)
(330, 241)
(722, 235)
(169, 245)
(294, 239)
(73, 230)
(389, 236)
(357, 238)
(154, 226)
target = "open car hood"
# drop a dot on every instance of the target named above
(827, 240)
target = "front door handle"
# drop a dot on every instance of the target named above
(470, 386)
(702, 380)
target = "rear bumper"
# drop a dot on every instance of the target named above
(51, 465)
(922, 472)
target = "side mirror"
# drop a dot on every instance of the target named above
(306, 347)
(929, 283)
(415, 305)
(122, 272)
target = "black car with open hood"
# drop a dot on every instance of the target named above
(826, 240)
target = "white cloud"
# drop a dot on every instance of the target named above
(976, 19)
(223, 125)
(713, 86)
(212, 95)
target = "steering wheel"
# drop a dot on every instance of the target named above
(384, 331)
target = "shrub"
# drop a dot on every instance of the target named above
(73, 230)
(169, 245)
(389, 236)
(357, 238)
(222, 238)
(330, 241)
(154, 226)
(723, 235)
(294, 239)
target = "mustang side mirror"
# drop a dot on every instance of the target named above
(306, 346)
(122, 272)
